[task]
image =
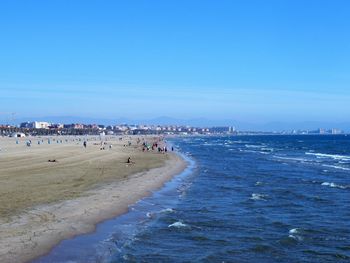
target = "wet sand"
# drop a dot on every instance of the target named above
(42, 203)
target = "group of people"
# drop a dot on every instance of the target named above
(155, 145)
(145, 147)
(29, 142)
(102, 145)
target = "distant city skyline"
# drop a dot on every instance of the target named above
(195, 122)
(55, 128)
(248, 61)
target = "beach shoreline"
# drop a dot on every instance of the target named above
(36, 230)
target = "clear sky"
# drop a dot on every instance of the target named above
(246, 60)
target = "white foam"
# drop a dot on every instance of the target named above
(336, 167)
(178, 225)
(258, 197)
(258, 183)
(167, 210)
(332, 156)
(334, 185)
(211, 144)
(240, 141)
(295, 234)
(294, 231)
(253, 146)
(263, 152)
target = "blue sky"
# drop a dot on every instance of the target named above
(247, 60)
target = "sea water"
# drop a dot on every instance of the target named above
(242, 199)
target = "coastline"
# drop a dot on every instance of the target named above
(35, 232)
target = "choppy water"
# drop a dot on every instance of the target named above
(243, 199)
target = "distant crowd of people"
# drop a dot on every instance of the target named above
(158, 144)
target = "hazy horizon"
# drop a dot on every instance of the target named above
(194, 122)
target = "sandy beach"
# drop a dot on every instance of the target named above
(56, 189)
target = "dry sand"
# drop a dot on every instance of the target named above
(42, 203)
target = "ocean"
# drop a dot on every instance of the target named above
(241, 199)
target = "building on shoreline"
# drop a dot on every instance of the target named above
(35, 125)
(46, 128)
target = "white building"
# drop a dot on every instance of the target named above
(41, 125)
(231, 129)
(336, 131)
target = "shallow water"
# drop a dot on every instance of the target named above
(243, 199)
